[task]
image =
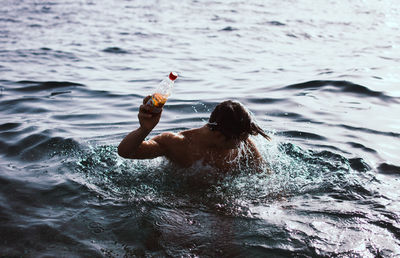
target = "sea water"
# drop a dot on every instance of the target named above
(321, 78)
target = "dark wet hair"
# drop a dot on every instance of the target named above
(232, 119)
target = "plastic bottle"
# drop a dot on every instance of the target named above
(164, 89)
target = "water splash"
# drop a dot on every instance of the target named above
(295, 171)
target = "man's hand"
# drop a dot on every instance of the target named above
(148, 116)
(133, 145)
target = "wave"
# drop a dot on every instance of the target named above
(34, 146)
(389, 169)
(275, 23)
(9, 126)
(44, 54)
(340, 86)
(370, 131)
(229, 28)
(303, 135)
(115, 50)
(31, 207)
(35, 86)
(58, 87)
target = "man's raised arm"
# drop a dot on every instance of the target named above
(133, 145)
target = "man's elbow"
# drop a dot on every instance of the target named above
(123, 153)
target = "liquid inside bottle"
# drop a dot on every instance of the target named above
(158, 100)
(160, 96)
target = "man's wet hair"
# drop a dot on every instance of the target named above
(232, 119)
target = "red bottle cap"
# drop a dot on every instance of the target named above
(173, 76)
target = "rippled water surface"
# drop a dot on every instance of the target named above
(321, 78)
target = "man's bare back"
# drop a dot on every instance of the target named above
(213, 148)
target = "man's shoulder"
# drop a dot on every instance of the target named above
(182, 137)
(168, 137)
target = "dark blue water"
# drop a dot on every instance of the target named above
(321, 78)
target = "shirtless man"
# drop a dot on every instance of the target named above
(216, 144)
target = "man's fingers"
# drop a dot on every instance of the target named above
(146, 99)
(145, 115)
(144, 108)
(149, 109)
